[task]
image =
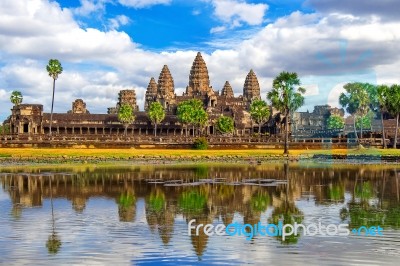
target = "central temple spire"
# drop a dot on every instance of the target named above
(199, 81)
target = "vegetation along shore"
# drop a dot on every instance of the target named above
(143, 156)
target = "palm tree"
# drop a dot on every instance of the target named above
(16, 98)
(356, 101)
(156, 114)
(126, 116)
(259, 111)
(54, 69)
(382, 91)
(286, 96)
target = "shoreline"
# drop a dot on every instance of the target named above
(46, 157)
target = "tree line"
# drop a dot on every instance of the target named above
(363, 101)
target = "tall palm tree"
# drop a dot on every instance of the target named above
(286, 96)
(16, 98)
(54, 69)
(382, 93)
(356, 101)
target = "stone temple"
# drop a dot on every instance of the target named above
(30, 118)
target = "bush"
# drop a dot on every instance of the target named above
(200, 144)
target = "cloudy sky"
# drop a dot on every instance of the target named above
(109, 45)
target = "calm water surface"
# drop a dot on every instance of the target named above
(139, 215)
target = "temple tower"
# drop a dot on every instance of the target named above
(166, 83)
(199, 81)
(165, 89)
(227, 90)
(251, 88)
(151, 94)
(127, 97)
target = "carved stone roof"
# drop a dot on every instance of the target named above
(227, 90)
(127, 97)
(199, 80)
(152, 87)
(251, 88)
(78, 107)
(166, 83)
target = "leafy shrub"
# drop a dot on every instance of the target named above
(200, 144)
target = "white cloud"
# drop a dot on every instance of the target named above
(90, 6)
(311, 89)
(3, 93)
(196, 12)
(120, 20)
(235, 12)
(143, 3)
(217, 29)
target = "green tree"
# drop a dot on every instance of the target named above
(382, 96)
(286, 96)
(126, 116)
(335, 122)
(191, 112)
(54, 69)
(356, 102)
(225, 124)
(156, 114)
(259, 111)
(200, 119)
(394, 107)
(184, 114)
(364, 122)
(16, 97)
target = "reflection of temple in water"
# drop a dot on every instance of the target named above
(370, 189)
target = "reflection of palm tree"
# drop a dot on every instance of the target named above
(359, 210)
(287, 212)
(53, 243)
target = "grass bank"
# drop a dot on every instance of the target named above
(129, 153)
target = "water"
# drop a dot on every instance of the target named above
(139, 215)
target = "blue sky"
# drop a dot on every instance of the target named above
(109, 45)
(178, 24)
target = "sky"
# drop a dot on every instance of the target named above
(109, 45)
